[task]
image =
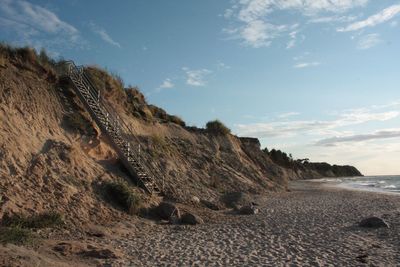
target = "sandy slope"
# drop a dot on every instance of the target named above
(309, 226)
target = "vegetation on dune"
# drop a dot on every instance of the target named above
(121, 194)
(15, 235)
(217, 127)
(78, 122)
(16, 229)
(27, 55)
(42, 220)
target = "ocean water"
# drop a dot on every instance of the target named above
(390, 184)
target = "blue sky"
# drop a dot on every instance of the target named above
(319, 79)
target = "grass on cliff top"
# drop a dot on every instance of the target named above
(217, 127)
(27, 55)
(121, 194)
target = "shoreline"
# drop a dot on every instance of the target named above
(337, 183)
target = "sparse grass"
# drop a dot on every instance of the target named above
(79, 123)
(26, 54)
(15, 235)
(43, 220)
(109, 83)
(120, 193)
(176, 120)
(217, 127)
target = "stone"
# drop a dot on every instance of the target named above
(167, 211)
(195, 199)
(210, 205)
(373, 222)
(99, 253)
(189, 218)
(249, 210)
(235, 199)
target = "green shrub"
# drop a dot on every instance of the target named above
(112, 83)
(217, 127)
(15, 235)
(158, 112)
(43, 220)
(176, 120)
(120, 193)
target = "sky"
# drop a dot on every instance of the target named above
(316, 78)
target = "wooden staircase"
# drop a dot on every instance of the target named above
(125, 143)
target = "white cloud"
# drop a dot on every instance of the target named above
(32, 20)
(288, 114)
(315, 127)
(394, 23)
(330, 19)
(369, 41)
(222, 66)
(381, 17)
(167, 83)
(103, 35)
(306, 65)
(252, 26)
(196, 77)
(381, 134)
(292, 41)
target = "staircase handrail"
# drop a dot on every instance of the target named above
(115, 119)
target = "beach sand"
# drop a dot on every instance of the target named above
(310, 226)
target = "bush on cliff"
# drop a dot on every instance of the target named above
(120, 193)
(217, 127)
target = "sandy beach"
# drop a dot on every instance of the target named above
(309, 226)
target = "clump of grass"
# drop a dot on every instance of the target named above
(176, 120)
(42, 220)
(79, 123)
(217, 127)
(27, 54)
(120, 193)
(3, 60)
(15, 235)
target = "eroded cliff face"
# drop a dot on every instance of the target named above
(47, 163)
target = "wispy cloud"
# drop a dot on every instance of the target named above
(102, 33)
(382, 134)
(369, 41)
(250, 21)
(288, 114)
(35, 24)
(196, 77)
(315, 127)
(381, 17)
(222, 66)
(167, 83)
(329, 19)
(293, 39)
(306, 65)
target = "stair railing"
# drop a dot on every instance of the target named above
(115, 121)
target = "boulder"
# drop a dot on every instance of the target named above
(248, 210)
(373, 222)
(235, 199)
(189, 218)
(210, 204)
(195, 200)
(167, 211)
(98, 253)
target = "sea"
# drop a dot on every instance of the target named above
(388, 184)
